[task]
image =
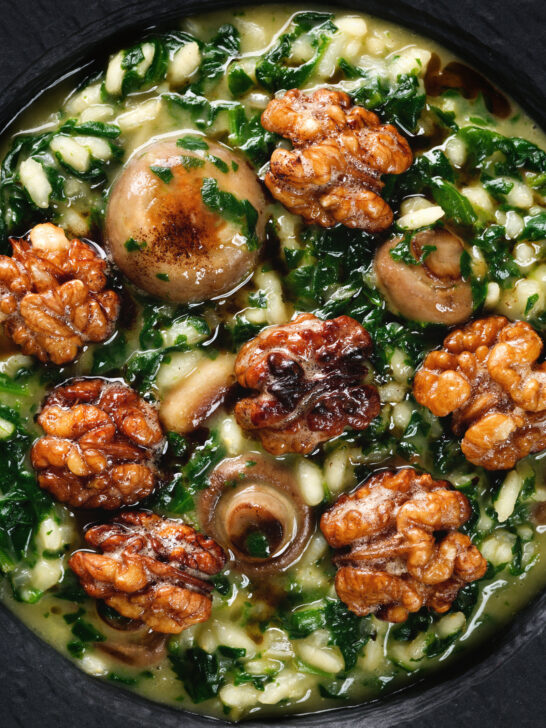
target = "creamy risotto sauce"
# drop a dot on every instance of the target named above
(289, 644)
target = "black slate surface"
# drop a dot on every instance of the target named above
(37, 686)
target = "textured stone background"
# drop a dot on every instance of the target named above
(37, 686)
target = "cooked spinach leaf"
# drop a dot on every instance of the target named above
(241, 212)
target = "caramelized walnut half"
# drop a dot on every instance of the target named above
(100, 444)
(151, 568)
(488, 378)
(52, 295)
(309, 375)
(333, 174)
(391, 562)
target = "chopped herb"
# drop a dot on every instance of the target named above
(121, 679)
(257, 545)
(518, 153)
(530, 303)
(271, 70)
(191, 162)
(192, 143)
(401, 102)
(498, 188)
(216, 55)
(165, 174)
(535, 228)
(238, 211)
(198, 671)
(239, 82)
(455, 205)
(162, 276)
(258, 299)
(403, 251)
(222, 166)
(132, 245)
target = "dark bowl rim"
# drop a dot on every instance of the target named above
(112, 31)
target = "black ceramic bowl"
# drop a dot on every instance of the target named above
(39, 42)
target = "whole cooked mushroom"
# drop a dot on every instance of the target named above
(432, 289)
(253, 508)
(186, 219)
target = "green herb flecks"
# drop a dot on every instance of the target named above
(189, 162)
(165, 174)
(240, 212)
(403, 251)
(133, 245)
(257, 545)
(219, 163)
(192, 143)
(272, 71)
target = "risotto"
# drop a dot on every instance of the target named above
(272, 381)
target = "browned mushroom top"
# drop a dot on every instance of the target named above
(167, 238)
(253, 508)
(432, 289)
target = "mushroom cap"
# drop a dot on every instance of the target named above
(246, 496)
(196, 252)
(433, 290)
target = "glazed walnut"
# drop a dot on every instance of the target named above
(309, 375)
(52, 295)
(151, 568)
(488, 378)
(100, 444)
(391, 559)
(333, 173)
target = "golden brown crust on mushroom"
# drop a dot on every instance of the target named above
(52, 295)
(182, 250)
(309, 376)
(153, 569)
(390, 562)
(100, 444)
(333, 174)
(488, 378)
(432, 290)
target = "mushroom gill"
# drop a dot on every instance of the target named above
(431, 290)
(253, 508)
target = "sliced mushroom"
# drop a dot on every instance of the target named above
(143, 650)
(433, 290)
(166, 238)
(129, 640)
(196, 397)
(253, 500)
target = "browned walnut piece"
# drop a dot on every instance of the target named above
(333, 174)
(52, 295)
(309, 375)
(153, 569)
(390, 561)
(100, 444)
(488, 378)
